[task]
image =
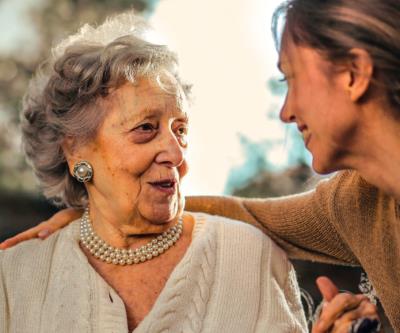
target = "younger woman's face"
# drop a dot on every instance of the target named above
(318, 102)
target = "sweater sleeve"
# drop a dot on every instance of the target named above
(281, 310)
(304, 225)
(3, 299)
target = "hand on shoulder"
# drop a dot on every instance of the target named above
(45, 228)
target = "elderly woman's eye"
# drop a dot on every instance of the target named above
(147, 127)
(144, 132)
(182, 130)
(181, 134)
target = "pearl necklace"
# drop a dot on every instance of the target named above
(111, 255)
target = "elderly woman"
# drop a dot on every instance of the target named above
(104, 127)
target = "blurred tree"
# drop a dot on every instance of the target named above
(274, 184)
(255, 162)
(258, 176)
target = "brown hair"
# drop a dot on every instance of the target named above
(334, 27)
(63, 98)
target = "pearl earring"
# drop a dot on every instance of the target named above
(83, 172)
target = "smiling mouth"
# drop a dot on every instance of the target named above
(306, 139)
(304, 133)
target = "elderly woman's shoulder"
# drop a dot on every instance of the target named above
(238, 239)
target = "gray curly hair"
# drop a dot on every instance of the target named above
(62, 99)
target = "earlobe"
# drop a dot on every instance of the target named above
(76, 155)
(360, 74)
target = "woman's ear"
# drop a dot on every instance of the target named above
(360, 71)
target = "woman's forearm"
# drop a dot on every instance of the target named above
(301, 224)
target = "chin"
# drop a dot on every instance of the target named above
(322, 167)
(162, 214)
(331, 158)
(159, 212)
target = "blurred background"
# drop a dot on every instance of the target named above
(237, 144)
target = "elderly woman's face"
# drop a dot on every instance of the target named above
(138, 155)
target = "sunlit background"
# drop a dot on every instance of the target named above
(226, 51)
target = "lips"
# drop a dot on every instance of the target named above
(301, 128)
(305, 134)
(306, 140)
(167, 186)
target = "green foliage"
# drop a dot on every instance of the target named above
(277, 183)
(255, 162)
(276, 86)
(258, 176)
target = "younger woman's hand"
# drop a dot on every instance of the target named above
(44, 229)
(342, 311)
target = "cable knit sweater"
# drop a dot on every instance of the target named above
(231, 279)
(343, 220)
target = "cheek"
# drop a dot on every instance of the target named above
(123, 174)
(135, 167)
(334, 139)
(134, 161)
(303, 99)
(343, 133)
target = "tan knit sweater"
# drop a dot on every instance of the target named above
(344, 220)
(231, 279)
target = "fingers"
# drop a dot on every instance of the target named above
(44, 229)
(334, 309)
(365, 309)
(346, 327)
(61, 219)
(28, 234)
(327, 288)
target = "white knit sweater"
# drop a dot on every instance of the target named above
(231, 279)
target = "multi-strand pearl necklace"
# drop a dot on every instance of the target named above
(111, 255)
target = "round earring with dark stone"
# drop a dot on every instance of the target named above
(83, 172)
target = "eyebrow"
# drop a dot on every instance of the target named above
(149, 113)
(144, 114)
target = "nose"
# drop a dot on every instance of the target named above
(286, 114)
(172, 152)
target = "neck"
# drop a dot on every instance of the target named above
(377, 157)
(121, 227)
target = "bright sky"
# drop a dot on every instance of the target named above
(226, 50)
